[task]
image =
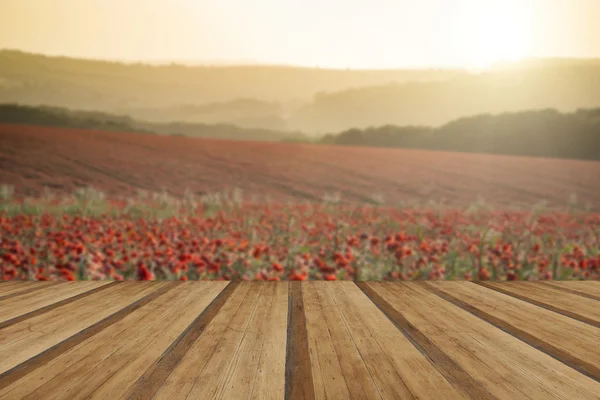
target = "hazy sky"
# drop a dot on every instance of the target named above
(327, 33)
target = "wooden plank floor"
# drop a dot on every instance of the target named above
(299, 340)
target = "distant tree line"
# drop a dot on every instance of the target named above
(436, 103)
(140, 89)
(543, 133)
(219, 131)
(65, 118)
(62, 117)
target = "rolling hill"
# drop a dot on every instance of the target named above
(310, 100)
(32, 158)
(564, 88)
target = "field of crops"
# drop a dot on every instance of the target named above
(87, 237)
(34, 158)
(320, 212)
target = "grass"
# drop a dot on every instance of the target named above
(225, 236)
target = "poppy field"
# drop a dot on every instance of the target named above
(33, 159)
(312, 212)
(227, 238)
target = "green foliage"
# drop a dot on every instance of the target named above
(180, 92)
(279, 98)
(540, 133)
(543, 133)
(320, 241)
(64, 118)
(564, 87)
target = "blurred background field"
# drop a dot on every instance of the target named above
(440, 140)
(226, 236)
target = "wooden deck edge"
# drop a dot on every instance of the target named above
(450, 370)
(298, 371)
(30, 290)
(54, 306)
(154, 377)
(564, 357)
(28, 366)
(542, 304)
(572, 291)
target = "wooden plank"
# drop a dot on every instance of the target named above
(269, 383)
(25, 306)
(107, 340)
(298, 374)
(572, 342)
(413, 343)
(11, 286)
(252, 374)
(257, 370)
(219, 367)
(199, 311)
(4, 285)
(589, 283)
(398, 368)
(327, 375)
(355, 351)
(568, 304)
(44, 296)
(155, 375)
(507, 367)
(111, 369)
(208, 357)
(587, 289)
(43, 338)
(25, 287)
(340, 321)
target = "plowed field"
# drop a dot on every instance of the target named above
(32, 158)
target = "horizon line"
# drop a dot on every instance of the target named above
(242, 63)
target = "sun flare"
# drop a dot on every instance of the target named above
(491, 32)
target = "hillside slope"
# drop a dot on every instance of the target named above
(309, 100)
(70, 82)
(565, 88)
(32, 158)
(66, 118)
(540, 133)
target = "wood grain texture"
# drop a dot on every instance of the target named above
(5, 285)
(447, 367)
(112, 374)
(187, 371)
(24, 288)
(116, 354)
(298, 373)
(328, 375)
(259, 368)
(589, 289)
(581, 351)
(29, 305)
(45, 337)
(58, 369)
(399, 369)
(507, 367)
(296, 340)
(154, 377)
(568, 304)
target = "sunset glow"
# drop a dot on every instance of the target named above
(489, 32)
(329, 34)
